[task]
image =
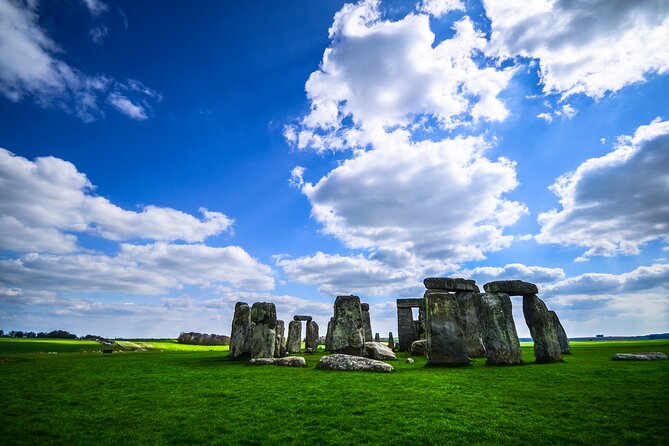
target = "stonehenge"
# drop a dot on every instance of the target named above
(348, 331)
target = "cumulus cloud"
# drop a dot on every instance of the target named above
(615, 203)
(643, 278)
(42, 199)
(32, 66)
(437, 8)
(583, 46)
(534, 274)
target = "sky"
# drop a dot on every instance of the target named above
(162, 160)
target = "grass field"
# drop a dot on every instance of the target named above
(201, 397)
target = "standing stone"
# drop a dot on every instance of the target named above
(471, 327)
(328, 335)
(312, 337)
(294, 336)
(377, 338)
(263, 342)
(406, 327)
(443, 332)
(348, 333)
(498, 330)
(563, 340)
(391, 341)
(280, 347)
(542, 328)
(242, 331)
(366, 322)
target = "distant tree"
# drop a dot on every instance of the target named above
(18, 334)
(30, 334)
(2, 333)
(41, 334)
(61, 334)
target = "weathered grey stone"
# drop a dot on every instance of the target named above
(498, 330)
(294, 337)
(288, 361)
(352, 363)
(450, 284)
(391, 341)
(366, 322)
(645, 356)
(347, 334)
(409, 361)
(263, 342)
(471, 326)
(418, 347)
(406, 328)
(511, 287)
(328, 335)
(413, 302)
(563, 340)
(443, 331)
(242, 331)
(376, 350)
(377, 338)
(311, 343)
(542, 329)
(299, 317)
(280, 347)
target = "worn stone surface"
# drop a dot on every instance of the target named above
(412, 302)
(377, 338)
(418, 347)
(280, 347)
(644, 356)
(450, 284)
(288, 361)
(563, 340)
(443, 330)
(328, 335)
(348, 334)
(299, 317)
(312, 336)
(294, 344)
(471, 326)
(366, 322)
(542, 328)
(242, 331)
(263, 342)
(352, 363)
(406, 328)
(511, 287)
(376, 350)
(391, 341)
(409, 361)
(498, 330)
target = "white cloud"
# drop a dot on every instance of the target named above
(41, 199)
(127, 107)
(615, 203)
(96, 7)
(31, 66)
(533, 274)
(437, 8)
(589, 47)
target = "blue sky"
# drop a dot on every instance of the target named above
(161, 161)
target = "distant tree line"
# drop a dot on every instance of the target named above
(59, 334)
(203, 339)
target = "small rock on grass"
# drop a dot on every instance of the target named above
(288, 361)
(410, 361)
(644, 356)
(352, 363)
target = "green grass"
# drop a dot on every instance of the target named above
(201, 397)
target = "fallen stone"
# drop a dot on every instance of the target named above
(563, 340)
(376, 350)
(409, 361)
(445, 341)
(263, 342)
(542, 329)
(511, 287)
(450, 284)
(644, 356)
(471, 325)
(242, 331)
(294, 336)
(498, 330)
(352, 363)
(288, 361)
(347, 334)
(418, 347)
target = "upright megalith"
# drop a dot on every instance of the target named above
(443, 332)
(366, 322)
(311, 343)
(348, 332)
(328, 335)
(498, 330)
(263, 342)
(294, 336)
(242, 331)
(563, 340)
(408, 329)
(542, 328)
(471, 326)
(377, 337)
(280, 347)
(391, 341)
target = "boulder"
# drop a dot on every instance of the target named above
(311, 343)
(445, 340)
(542, 328)
(288, 361)
(352, 363)
(511, 287)
(563, 340)
(263, 341)
(366, 322)
(450, 284)
(242, 331)
(348, 333)
(498, 330)
(471, 326)
(280, 347)
(418, 347)
(645, 356)
(376, 350)
(294, 337)
(409, 361)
